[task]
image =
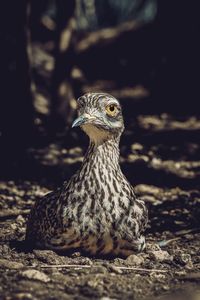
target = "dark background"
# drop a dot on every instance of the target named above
(151, 58)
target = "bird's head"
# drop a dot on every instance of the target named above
(100, 116)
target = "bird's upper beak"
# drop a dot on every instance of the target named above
(83, 119)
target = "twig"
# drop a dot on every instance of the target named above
(164, 243)
(187, 231)
(66, 266)
(118, 267)
(179, 235)
(141, 269)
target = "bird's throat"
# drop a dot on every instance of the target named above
(104, 156)
(97, 136)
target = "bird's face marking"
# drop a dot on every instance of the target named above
(100, 116)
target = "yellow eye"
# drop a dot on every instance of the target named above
(111, 110)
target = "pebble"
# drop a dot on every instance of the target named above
(183, 259)
(158, 277)
(35, 275)
(181, 273)
(134, 260)
(7, 264)
(76, 254)
(160, 255)
(165, 287)
(47, 256)
(152, 247)
(118, 261)
(98, 269)
(20, 219)
(115, 269)
(23, 296)
(13, 226)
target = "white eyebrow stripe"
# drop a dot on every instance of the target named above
(113, 102)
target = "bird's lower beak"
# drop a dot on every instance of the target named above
(83, 119)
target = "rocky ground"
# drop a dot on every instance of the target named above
(162, 161)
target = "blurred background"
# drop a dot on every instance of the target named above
(146, 54)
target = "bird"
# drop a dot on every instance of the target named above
(96, 212)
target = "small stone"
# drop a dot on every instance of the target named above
(76, 254)
(20, 219)
(119, 261)
(47, 256)
(158, 277)
(35, 275)
(92, 283)
(152, 247)
(165, 287)
(7, 264)
(160, 255)
(86, 261)
(115, 269)
(181, 273)
(23, 296)
(183, 258)
(135, 260)
(13, 226)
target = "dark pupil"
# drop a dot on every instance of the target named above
(112, 108)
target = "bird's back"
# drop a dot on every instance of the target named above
(44, 218)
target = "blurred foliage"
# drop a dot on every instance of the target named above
(96, 14)
(146, 51)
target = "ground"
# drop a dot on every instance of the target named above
(160, 157)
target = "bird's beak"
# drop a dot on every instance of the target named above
(83, 119)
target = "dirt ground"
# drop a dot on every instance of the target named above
(162, 162)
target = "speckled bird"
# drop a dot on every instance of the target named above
(96, 212)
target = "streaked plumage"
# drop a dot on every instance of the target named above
(96, 211)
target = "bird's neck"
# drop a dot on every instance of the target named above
(101, 156)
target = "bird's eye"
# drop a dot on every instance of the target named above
(111, 110)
